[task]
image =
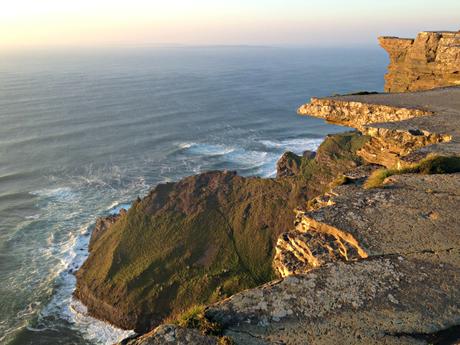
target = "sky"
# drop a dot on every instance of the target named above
(43, 23)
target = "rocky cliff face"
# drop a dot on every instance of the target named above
(201, 239)
(428, 61)
(401, 127)
(359, 265)
(366, 266)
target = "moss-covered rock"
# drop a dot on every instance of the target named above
(199, 240)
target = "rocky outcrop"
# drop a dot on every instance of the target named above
(357, 114)
(400, 126)
(360, 266)
(172, 334)
(303, 250)
(288, 165)
(430, 60)
(101, 226)
(201, 239)
(394, 299)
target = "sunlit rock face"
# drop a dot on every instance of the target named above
(398, 125)
(430, 60)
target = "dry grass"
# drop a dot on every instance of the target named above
(226, 341)
(432, 164)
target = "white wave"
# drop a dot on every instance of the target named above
(206, 149)
(61, 194)
(298, 145)
(117, 207)
(247, 158)
(186, 145)
(33, 216)
(72, 254)
(261, 162)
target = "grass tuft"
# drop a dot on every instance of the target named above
(432, 164)
(195, 317)
(225, 340)
(375, 180)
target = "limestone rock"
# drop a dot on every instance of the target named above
(172, 334)
(396, 219)
(400, 299)
(302, 251)
(430, 60)
(357, 114)
(411, 125)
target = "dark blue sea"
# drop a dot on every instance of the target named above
(82, 133)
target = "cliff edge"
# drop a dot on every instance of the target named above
(370, 256)
(430, 60)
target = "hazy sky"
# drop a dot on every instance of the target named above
(28, 23)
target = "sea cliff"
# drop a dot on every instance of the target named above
(201, 239)
(357, 243)
(430, 60)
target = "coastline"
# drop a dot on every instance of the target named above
(65, 305)
(402, 140)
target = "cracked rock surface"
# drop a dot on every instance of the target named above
(381, 300)
(172, 334)
(414, 213)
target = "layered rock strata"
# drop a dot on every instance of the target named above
(399, 125)
(430, 60)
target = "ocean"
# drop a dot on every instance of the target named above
(82, 133)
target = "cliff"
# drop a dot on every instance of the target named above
(370, 256)
(401, 127)
(365, 265)
(430, 60)
(201, 239)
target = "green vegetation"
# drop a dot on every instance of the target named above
(335, 156)
(428, 165)
(201, 239)
(195, 317)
